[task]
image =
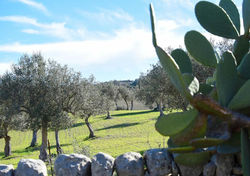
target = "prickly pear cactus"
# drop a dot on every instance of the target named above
(219, 120)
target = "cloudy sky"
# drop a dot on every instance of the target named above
(110, 39)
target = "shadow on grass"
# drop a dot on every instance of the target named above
(88, 138)
(92, 122)
(15, 154)
(133, 113)
(30, 149)
(118, 126)
(36, 148)
(62, 145)
(8, 157)
(77, 124)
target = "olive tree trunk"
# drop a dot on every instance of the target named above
(159, 108)
(116, 105)
(58, 147)
(34, 138)
(132, 105)
(126, 104)
(7, 147)
(43, 150)
(91, 131)
(108, 115)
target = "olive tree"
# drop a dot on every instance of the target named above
(109, 95)
(117, 96)
(155, 87)
(132, 96)
(42, 87)
(89, 102)
(125, 95)
(65, 83)
(10, 115)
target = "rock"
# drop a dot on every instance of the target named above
(190, 171)
(72, 165)
(6, 170)
(102, 165)
(31, 167)
(158, 162)
(129, 164)
(209, 169)
(224, 164)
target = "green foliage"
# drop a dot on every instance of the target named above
(246, 17)
(173, 71)
(218, 22)
(193, 159)
(241, 47)
(232, 11)
(40, 91)
(127, 94)
(245, 152)
(200, 48)
(192, 83)
(243, 68)
(183, 149)
(205, 89)
(241, 99)
(205, 142)
(227, 80)
(155, 88)
(183, 61)
(196, 129)
(174, 123)
(152, 16)
(224, 100)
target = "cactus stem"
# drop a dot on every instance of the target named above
(210, 107)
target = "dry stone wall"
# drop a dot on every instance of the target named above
(154, 162)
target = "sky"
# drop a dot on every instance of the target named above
(110, 39)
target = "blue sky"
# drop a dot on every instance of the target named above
(110, 39)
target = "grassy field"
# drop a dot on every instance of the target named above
(127, 131)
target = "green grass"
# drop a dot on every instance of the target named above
(127, 131)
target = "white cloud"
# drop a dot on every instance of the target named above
(36, 5)
(58, 30)
(20, 19)
(30, 31)
(128, 50)
(4, 67)
(107, 16)
(167, 35)
(129, 43)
